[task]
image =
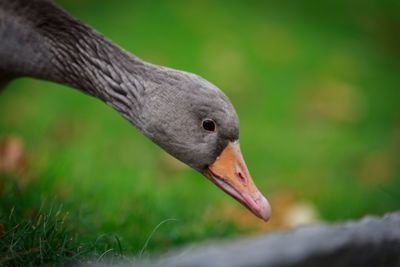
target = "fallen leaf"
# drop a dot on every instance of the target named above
(12, 155)
(13, 160)
(287, 212)
(377, 168)
(1, 231)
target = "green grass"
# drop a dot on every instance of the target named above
(38, 231)
(316, 87)
(37, 241)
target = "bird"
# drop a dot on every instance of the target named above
(186, 115)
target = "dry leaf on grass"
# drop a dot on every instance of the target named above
(13, 159)
(287, 212)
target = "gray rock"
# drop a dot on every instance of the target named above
(372, 241)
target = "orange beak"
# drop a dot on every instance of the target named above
(230, 173)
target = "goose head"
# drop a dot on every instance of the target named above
(183, 113)
(196, 123)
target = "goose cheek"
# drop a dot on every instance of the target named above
(230, 173)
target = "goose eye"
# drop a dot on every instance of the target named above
(209, 125)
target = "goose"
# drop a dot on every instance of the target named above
(187, 116)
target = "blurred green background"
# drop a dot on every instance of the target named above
(316, 85)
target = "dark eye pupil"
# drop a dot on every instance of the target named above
(209, 125)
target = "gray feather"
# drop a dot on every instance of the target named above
(40, 40)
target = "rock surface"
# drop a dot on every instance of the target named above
(372, 241)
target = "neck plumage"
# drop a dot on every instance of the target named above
(40, 40)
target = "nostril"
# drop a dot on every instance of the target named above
(241, 177)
